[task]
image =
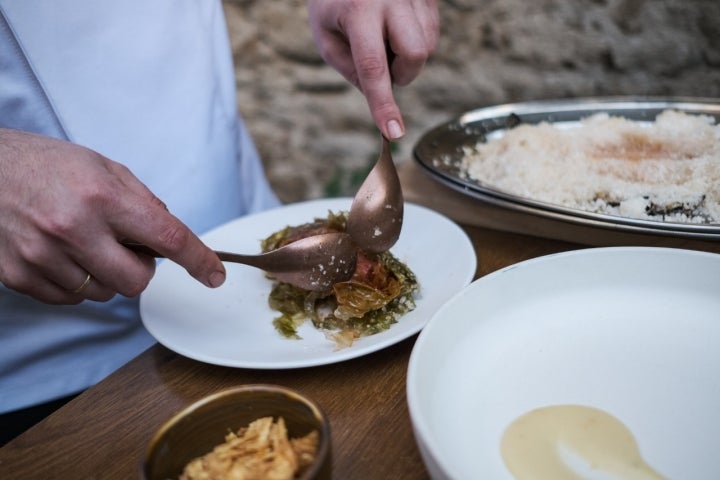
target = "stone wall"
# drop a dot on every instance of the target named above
(315, 134)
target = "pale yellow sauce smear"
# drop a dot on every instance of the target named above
(572, 442)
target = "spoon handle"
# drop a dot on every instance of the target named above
(259, 261)
(312, 263)
(224, 256)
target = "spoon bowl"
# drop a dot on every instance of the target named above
(376, 214)
(313, 263)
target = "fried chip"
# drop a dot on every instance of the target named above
(262, 450)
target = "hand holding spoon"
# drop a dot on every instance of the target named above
(318, 262)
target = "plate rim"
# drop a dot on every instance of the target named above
(463, 128)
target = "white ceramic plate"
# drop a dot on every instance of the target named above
(633, 331)
(232, 325)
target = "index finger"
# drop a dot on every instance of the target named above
(367, 41)
(152, 225)
(163, 232)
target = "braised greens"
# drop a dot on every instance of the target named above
(379, 293)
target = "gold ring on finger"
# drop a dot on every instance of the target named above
(84, 285)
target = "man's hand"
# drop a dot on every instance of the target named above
(356, 37)
(63, 211)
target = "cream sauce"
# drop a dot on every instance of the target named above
(573, 442)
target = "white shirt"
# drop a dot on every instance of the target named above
(147, 83)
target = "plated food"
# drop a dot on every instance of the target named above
(571, 441)
(380, 292)
(261, 450)
(232, 325)
(666, 169)
(688, 220)
(246, 432)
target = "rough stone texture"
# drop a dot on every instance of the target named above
(314, 131)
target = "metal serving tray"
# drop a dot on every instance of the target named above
(439, 152)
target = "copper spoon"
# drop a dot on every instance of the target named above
(312, 263)
(376, 214)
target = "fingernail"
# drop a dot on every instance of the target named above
(395, 129)
(216, 279)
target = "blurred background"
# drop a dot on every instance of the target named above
(315, 134)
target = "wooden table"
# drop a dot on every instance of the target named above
(103, 433)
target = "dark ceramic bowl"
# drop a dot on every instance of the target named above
(198, 428)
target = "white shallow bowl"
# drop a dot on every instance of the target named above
(633, 331)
